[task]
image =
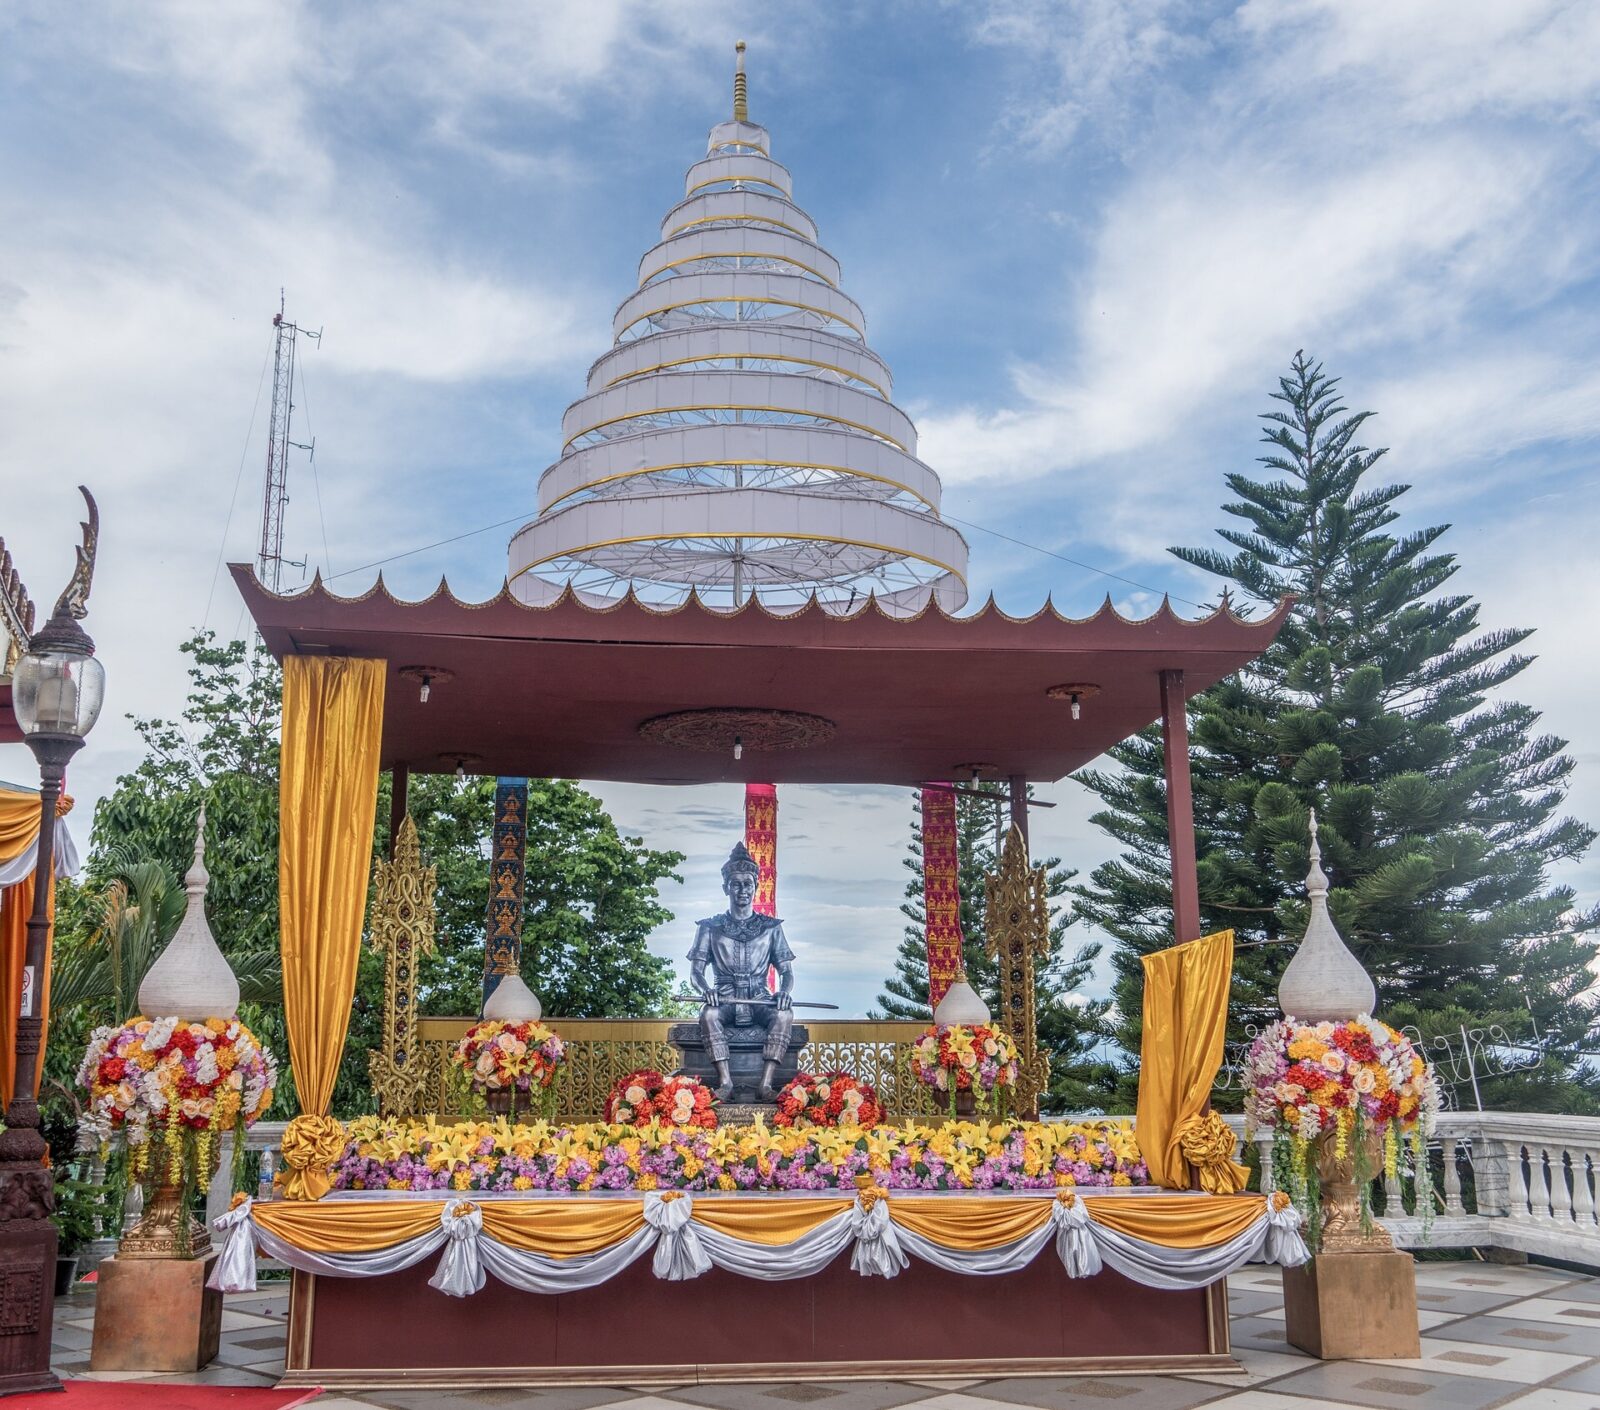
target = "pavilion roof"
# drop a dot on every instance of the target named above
(562, 690)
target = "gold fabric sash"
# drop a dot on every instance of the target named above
(1178, 1221)
(773, 1222)
(567, 1228)
(327, 795)
(1180, 1048)
(970, 1224)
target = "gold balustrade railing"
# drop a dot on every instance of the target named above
(601, 1050)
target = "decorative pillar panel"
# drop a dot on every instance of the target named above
(1017, 919)
(402, 932)
(502, 949)
(941, 888)
(761, 841)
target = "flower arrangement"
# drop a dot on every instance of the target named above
(1351, 1085)
(512, 1059)
(499, 1156)
(164, 1088)
(827, 1099)
(958, 1057)
(645, 1097)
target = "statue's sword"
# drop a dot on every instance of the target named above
(691, 998)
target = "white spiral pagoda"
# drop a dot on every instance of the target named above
(738, 441)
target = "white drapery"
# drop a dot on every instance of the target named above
(64, 858)
(684, 1250)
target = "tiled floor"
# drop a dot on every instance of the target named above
(1493, 1336)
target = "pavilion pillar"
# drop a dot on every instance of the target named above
(1180, 808)
(1018, 789)
(761, 841)
(399, 791)
(502, 947)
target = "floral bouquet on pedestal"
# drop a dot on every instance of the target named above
(164, 1088)
(971, 1059)
(828, 1099)
(645, 1097)
(1355, 1090)
(506, 1060)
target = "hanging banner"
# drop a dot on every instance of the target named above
(761, 841)
(502, 947)
(941, 888)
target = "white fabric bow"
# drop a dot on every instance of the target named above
(460, 1270)
(877, 1251)
(1075, 1244)
(679, 1253)
(1283, 1243)
(236, 1266)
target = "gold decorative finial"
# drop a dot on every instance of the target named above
(741, 92)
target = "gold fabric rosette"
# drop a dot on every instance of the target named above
(1208, 1143)
(311, 1144)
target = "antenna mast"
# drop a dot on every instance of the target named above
(270, 561)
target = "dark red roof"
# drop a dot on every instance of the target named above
(561, 690)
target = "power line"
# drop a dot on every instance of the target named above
(1079, 563)
(1020, 543)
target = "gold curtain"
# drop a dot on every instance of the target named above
(328, 794)
(19, 829)
(1185, 1019)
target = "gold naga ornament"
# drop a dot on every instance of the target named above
(1017, 928)
(402, 931)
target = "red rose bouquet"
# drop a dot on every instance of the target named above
(633, 1099)
(686, 1101)
(828, 1099)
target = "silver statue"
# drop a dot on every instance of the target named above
(739, 946)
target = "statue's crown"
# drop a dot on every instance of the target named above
(740, 860)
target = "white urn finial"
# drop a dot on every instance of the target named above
(1324, 981)
(513, 1002)
(191, 979)
(962, 1004)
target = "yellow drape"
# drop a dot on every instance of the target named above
(19, 829)
(1185, 1019)
(566, 1228)
(328, 793)
(1177, 1221)
(988, 1222)
(348, 1226)
(773, 1222)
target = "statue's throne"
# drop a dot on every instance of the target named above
(744, 1057)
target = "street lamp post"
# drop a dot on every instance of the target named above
(56, 692)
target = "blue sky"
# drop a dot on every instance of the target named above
(1087, 238)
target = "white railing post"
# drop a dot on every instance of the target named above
(1452, 1176)
(1524, 1179)
(1583, 1206)
(1560, 1192)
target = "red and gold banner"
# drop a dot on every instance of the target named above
(941, 888)
(761, 841)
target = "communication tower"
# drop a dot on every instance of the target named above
(270, 561)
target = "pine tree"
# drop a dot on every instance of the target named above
(1376, 705)
(1071, 1028)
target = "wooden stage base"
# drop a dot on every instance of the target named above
(637, 1330)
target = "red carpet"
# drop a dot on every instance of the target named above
(136, 1395)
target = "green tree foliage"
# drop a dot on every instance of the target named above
(1071, 1029)
(1378, 705)
(591, 892)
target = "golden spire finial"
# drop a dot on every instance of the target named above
(741, 93)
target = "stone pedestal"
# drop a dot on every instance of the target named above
(155, 1314)
(1348, 1306)
(27, 1272)
(744, 1057)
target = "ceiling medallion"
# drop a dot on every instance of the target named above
(719, 729)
